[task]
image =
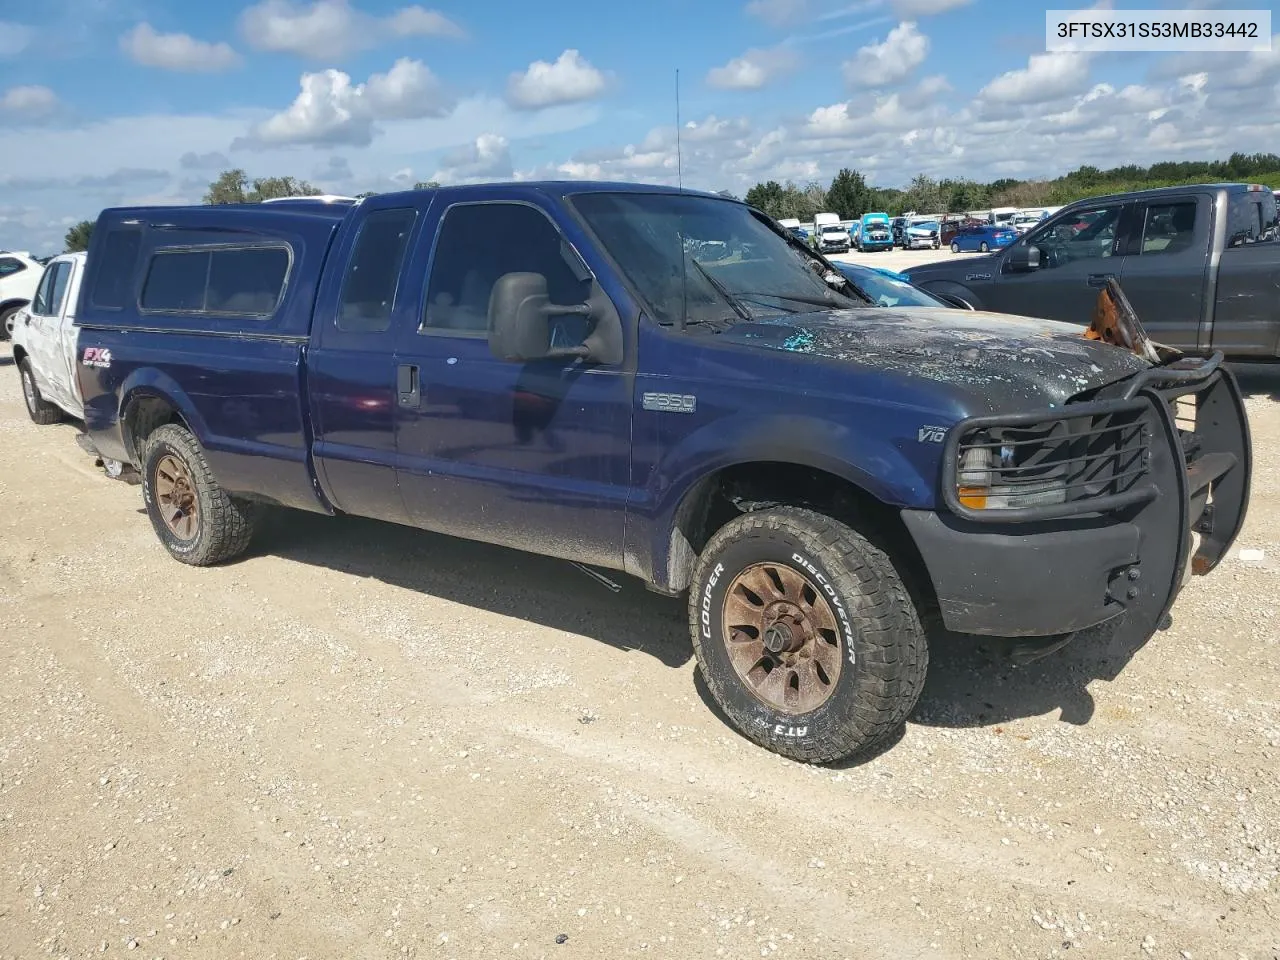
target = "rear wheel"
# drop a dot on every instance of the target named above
(197, 521)
(982, 247)
(40, 410)
(7, 318)
(805, 634)
(955, 247)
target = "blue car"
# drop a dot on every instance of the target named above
(983, 239)
(888, 288)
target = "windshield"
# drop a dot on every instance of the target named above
(706, 260)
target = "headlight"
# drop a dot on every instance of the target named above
(1008, 469)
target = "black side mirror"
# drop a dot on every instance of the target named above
(1023, 258)
(520, 312)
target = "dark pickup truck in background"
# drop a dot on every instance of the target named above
(667, 384)
(1199, 264)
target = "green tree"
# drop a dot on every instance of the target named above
(767, 197)
(234, 186)
(849, 196)
(426, 185)
(367, 193)
(923, 195)
(78, 236)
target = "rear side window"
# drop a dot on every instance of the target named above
(1251, 217)
(373, 274)
(116, 260)
(61, 278)
(9, 266)
(231, 281)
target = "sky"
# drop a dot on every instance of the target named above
(110, 102)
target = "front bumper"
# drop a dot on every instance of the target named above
(915, 242)
(1053, 570)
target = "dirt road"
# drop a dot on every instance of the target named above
(364, 741)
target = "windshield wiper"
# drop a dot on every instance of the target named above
(722, 290)
(814, 301)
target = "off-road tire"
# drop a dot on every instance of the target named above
(224, 524)
(6, 322)
(883, 645)
(40, 410)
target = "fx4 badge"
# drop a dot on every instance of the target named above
(931, 434)
(96, 357)
(670, 402)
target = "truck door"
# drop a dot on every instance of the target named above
(43, 339)
(351, 367)
(533, 455)
(65, 347)
(1165, 273)
(1077, 255)
(1246, 309)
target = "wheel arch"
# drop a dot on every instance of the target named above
(148, 402)
(954, 289)
(749, 485)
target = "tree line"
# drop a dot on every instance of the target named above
(849, 194)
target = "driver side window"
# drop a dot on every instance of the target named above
(477, 244)
(1085, 235)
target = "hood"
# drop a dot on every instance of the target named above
(997, 361)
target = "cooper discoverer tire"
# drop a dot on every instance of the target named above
(794, 591)
(197, 521)
(40, 410)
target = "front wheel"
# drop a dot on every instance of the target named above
(197, 521)
(982, 247)
(805, 635)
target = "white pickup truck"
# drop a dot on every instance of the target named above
(44, 342)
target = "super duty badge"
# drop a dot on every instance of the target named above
(670, 402)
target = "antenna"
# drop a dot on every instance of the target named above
(679, 158)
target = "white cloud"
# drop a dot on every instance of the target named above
(570, 79)
(889, 62)
(176, 51)
(1046, 77)
(488, 157)
(29, 102)
(778, 13)
(926, 8)
(753, 70)
(14, 38)
(329, 109)
(330, 29)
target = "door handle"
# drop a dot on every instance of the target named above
(408, 385)
(1100, 279)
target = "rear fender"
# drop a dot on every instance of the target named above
(150, 383)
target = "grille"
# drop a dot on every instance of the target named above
(1070, 459)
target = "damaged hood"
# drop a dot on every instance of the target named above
(999, 362)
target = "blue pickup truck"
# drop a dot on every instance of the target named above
(667, 384)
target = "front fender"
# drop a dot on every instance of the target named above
(880, 465)
(953, 289)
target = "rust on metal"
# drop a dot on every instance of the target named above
(782, 637)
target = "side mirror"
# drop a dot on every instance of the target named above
(1023, 258)
(520, 312)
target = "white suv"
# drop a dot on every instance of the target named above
(19, 277)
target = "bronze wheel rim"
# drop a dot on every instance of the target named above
(782, 637)
(176, 497)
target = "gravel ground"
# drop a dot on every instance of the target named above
(365, 741)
